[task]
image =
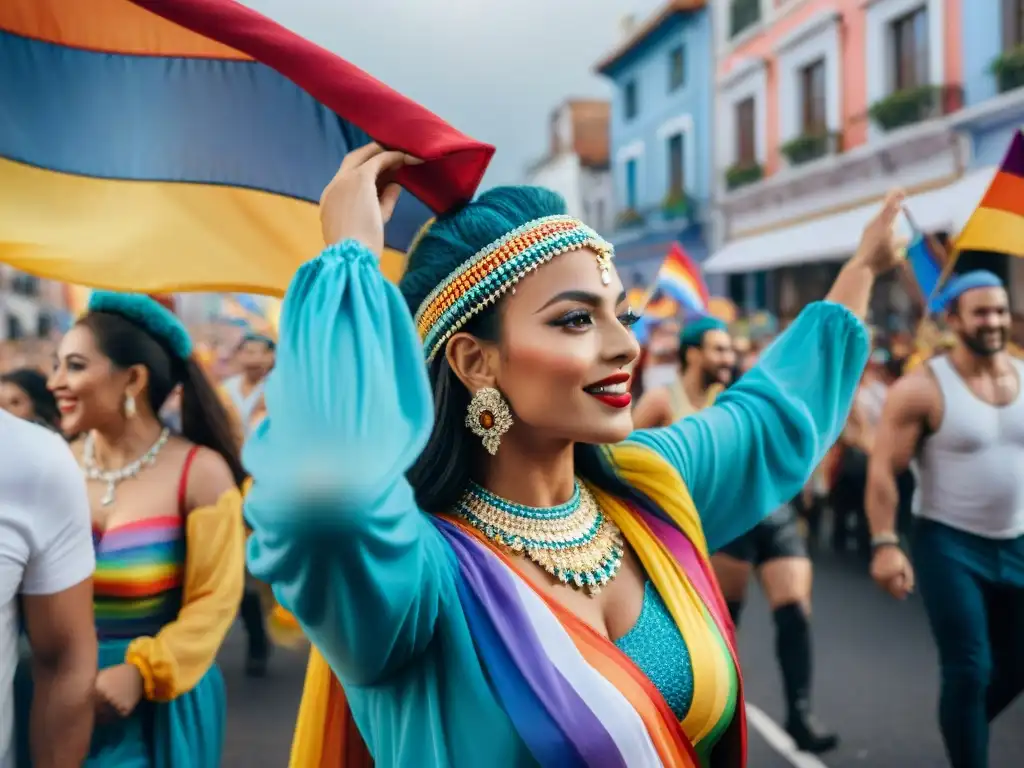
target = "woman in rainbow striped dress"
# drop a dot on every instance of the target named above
(168, 532)
(494, 567)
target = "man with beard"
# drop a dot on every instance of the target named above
(775, 549)
(961, 416)
(706, 360)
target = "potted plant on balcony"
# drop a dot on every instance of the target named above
(628, 217)
(1008, 69)
(743, 173)
(809, 146)
(676, 205)
(906, 107)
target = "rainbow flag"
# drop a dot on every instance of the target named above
(679, 278)
(182, 145)
(925, 264)
(997, 225)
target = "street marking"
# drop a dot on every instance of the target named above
(779, 740)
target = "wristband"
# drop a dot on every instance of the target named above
(884, 540)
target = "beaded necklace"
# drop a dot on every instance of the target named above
(574, 541)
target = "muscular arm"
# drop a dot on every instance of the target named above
(63, 639)
(904, 419)
(653, 410)
(57, 598)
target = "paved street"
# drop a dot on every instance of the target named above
(876, 682)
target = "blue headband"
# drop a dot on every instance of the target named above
(149, 314)
(693, 333)
(961, 284)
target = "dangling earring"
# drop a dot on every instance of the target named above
(129, 406)
(489, 417)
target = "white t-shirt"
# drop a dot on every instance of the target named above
(45, 538)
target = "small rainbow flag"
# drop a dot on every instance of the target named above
(182, 145)
(997, 225)
(680, 279)
(925, 264)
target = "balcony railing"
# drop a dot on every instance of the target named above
(743, 14)
(915, 105)
(743, 173)
(676, 207)
(809, 147)
(1008, 69)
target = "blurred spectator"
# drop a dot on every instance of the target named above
(23, 393)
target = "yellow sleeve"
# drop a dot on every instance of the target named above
(174, 661)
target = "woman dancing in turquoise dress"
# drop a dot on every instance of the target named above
(449, 496)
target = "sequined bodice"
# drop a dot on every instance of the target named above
(656, 646)
(139, 577)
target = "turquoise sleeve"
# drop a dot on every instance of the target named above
(755, 448)
(336, 529)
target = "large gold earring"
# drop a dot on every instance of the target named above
(488, 417)
(129, 406)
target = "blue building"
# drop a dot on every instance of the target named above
(660, 152)
(993, 75)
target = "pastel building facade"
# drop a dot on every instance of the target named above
(661, 143)
(821, 107)
(576, 162)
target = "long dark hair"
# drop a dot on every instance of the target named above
(204, 419)
(444, 468)
(33, 384)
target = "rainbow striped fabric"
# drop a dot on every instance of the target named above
(165, 145)
(574, 698)
(997, 225)
(139, 577)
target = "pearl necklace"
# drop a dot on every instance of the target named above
(574, 541)
(114, 477)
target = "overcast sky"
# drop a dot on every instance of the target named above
(493, 68)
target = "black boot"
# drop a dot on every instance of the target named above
(251, 612)
(793, 650)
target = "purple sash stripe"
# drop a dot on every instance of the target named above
(555, 723)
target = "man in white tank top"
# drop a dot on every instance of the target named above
(961, 416)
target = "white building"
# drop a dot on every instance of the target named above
(576, 164)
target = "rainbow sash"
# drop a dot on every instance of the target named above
(571, 694)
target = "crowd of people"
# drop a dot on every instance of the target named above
(511, 535)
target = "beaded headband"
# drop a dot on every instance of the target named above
(496, 268)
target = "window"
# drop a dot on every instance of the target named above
(676, 165)
(813, 121)
(743, 14)
(746, 141)
(1013, 24)
(631, 172)
(910, 50)
(630, 100)
(599, 223)
(676, 68)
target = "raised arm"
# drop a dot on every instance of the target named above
(336, 530)
(757, 446)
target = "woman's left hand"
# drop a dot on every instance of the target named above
(120, 687)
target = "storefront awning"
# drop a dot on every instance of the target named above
(835, 237)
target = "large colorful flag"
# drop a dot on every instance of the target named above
(997, 225)
(679, 278)
(172, 145)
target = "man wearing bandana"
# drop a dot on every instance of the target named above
(961, 417)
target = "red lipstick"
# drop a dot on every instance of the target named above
(608, 391)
